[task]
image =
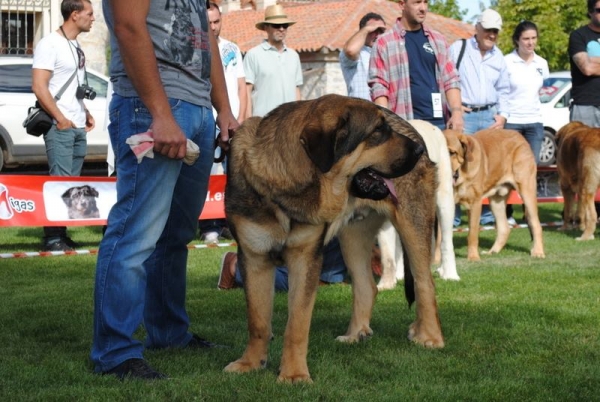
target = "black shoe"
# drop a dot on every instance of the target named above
(226, 233)
(135, 369)
(69, 242)
(58, 245)
(198, 343)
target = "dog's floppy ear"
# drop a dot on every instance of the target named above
(91, 191)
(66, 197)
(468, 145)
(319, 146)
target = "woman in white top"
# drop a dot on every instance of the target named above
(527, 72)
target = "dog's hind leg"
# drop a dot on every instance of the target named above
(527, 191)
(390, 248)
(355, 240)
(498, 207)
(445, 215)
(589, 215)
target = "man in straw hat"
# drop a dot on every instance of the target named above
(273, 71)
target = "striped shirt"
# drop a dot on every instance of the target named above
(484, 79)
(389, 74)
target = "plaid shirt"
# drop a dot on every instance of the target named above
(389, 75)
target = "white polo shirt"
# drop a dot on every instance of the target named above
(525, 83)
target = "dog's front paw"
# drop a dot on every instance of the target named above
(584, 238)
(295, 379)
(473, 257)
(386, 285)
(448, 274)
(359, 336)
(427, 337)
(244, 365)
(537, 253)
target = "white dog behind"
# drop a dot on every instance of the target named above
(392, 261)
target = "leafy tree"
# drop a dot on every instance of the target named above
(447, 8)
(555, 20)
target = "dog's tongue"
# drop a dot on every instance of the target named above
(392, 188)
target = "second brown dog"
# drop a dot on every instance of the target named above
(578, 165)
(491, 163)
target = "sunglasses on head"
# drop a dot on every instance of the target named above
(278, 26)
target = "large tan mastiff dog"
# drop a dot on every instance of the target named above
(311, 170)
(578, 165)
(491, 163)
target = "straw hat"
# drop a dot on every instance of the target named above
(274, 15)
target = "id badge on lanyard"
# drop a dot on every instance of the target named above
(436, 103)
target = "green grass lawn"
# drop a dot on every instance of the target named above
(516, 329)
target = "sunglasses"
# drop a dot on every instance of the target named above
(492, 31)
(597, 10)
(279, 26)
(81, 57)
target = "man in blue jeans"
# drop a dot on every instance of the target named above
(484, 83)
(164, 60)
(334, 270)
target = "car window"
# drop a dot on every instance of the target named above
(552, 87)
(15, 78)
(99, 85)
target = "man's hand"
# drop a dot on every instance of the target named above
(169, 139)
(90, 123)
(227, 124)
(500, 121)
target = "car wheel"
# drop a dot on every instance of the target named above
(1, 157)
(548, 151)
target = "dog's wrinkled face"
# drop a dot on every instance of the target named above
(82, 198)
(363, 140)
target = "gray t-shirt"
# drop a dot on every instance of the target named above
(179, 32)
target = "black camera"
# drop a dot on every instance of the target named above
(85, 92)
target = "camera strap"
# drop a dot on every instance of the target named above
(64, 88)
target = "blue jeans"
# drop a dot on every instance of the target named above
(475, 121)
(334, 270)
(65, 150)
(141, 268)
(533, 133)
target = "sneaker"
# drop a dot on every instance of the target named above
(57, 245)
(512, 221)
(135, 369)
(210, 237)
(227, 273)
(199, 343)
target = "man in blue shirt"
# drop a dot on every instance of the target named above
(484, 82)
(355, 57)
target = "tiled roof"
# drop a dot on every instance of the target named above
(327, 24)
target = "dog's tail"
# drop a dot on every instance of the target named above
(409, 281)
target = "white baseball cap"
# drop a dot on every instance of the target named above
(490, 19)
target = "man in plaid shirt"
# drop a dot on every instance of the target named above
(411, 72)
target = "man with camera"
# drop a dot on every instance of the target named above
(59, 61)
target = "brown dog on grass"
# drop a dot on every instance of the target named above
(578, 165)
(491, 163)
(311, 170)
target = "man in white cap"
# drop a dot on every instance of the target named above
(273, 71)
(484, 81)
